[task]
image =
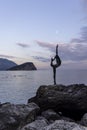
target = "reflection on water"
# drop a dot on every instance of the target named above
(19, 86)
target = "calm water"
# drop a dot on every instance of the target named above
(19, 86)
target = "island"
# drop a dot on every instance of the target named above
(6, 64)
(24, 66)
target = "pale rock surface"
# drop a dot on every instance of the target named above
(64, 125)
(84, 120)
(36, 125)
(11, 116)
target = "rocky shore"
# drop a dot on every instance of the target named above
(55, 107)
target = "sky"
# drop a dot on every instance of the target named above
(31, 29)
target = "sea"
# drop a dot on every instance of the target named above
(18, 86)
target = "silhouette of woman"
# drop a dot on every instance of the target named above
(57, 64)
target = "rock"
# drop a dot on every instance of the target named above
(71, 100)
(36, 125)
(50, 115)
(66, 119)
(64, 125)
(84, 120)
(24, 66)
(11, 116)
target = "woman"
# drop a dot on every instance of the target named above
(57, 64)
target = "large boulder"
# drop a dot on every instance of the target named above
(50, 115)
(36, 125)
(64, 125)
(84, 120)
(11, 116)
(42, 124)
(70, 100)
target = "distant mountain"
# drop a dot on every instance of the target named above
(25, 66)
(5, 64)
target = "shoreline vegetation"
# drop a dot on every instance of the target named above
(55, 107)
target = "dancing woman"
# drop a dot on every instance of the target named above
(58, 63)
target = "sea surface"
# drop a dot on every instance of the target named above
(18, 86)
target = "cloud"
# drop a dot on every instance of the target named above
(83, 36)
(76, 40)
(42, 59)
(76, 50)
(7, 56)
(23, 45)
(73, 52)
(67, 51)
(47, 45)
